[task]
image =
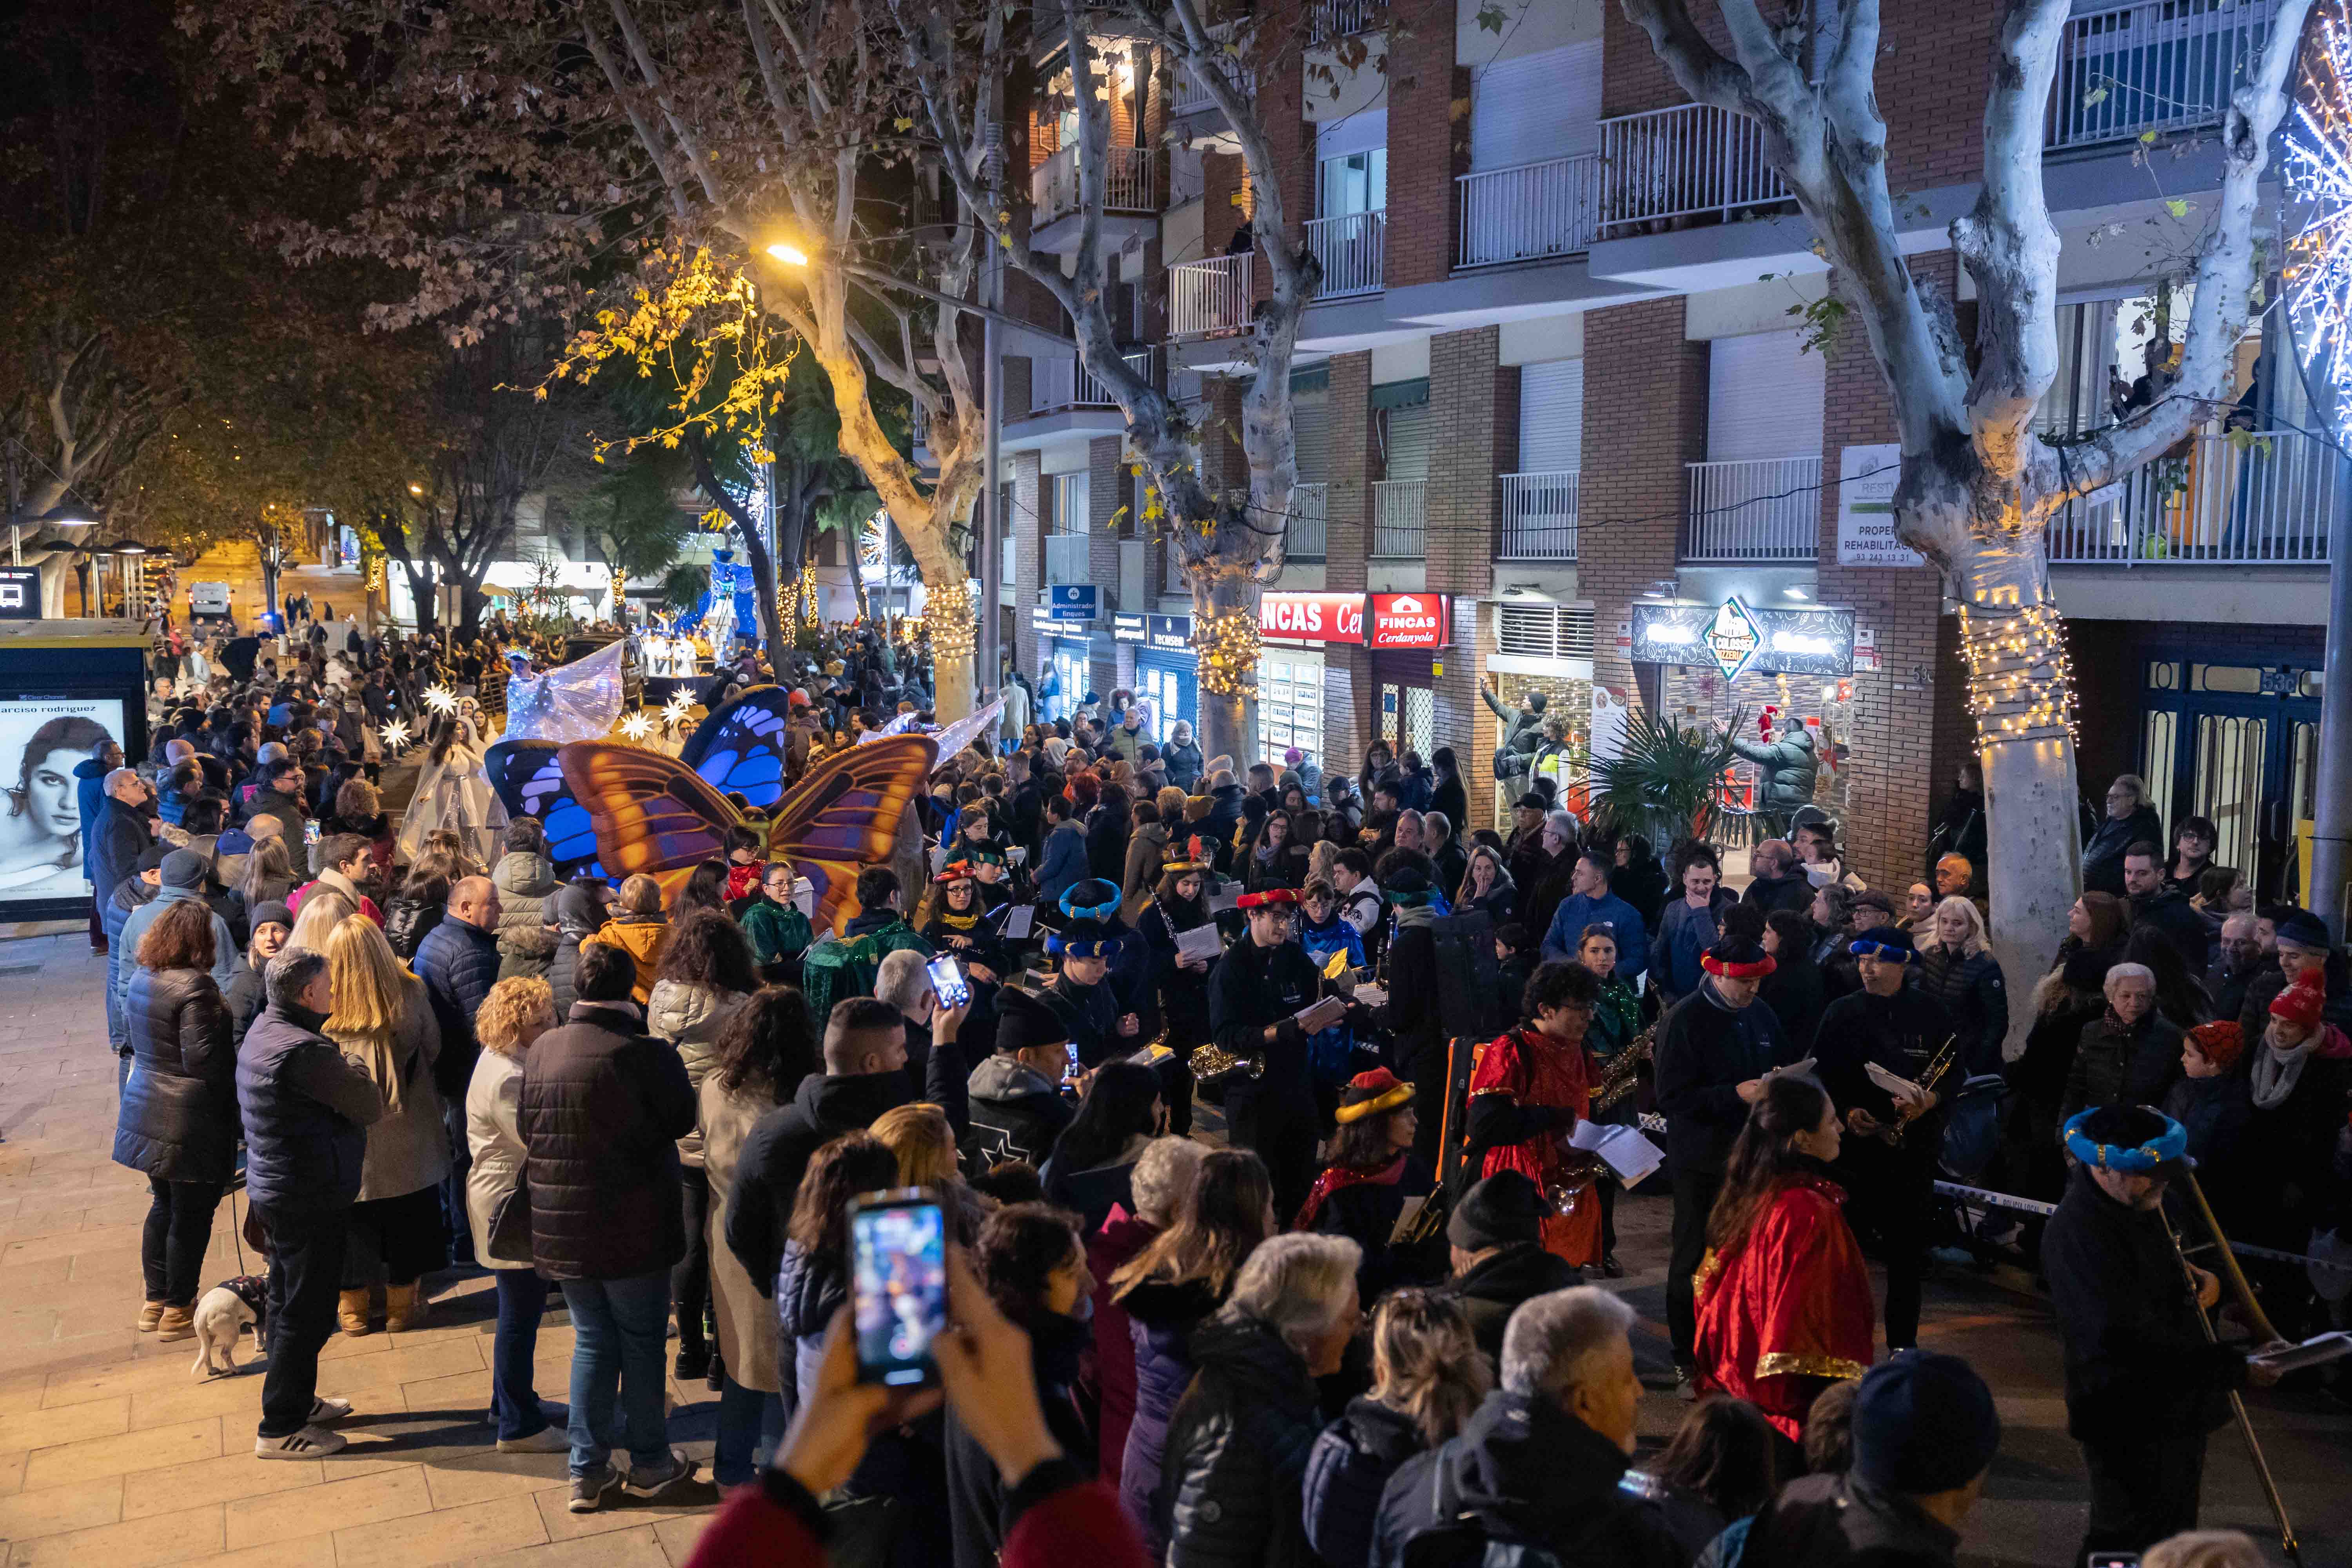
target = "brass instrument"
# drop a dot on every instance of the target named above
(1213, 1067)
(1940, 1066)
(1622, 1073)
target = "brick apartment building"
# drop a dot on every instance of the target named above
(1559, 369)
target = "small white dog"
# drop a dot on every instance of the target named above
(222, 1314)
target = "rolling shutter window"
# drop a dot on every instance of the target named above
(1545, 631)
(1408, 442)
(1764, 399)
(1537, 106)
(1310, 426)
(1551, 416)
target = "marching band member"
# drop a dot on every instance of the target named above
(1181, 980)
(1372, 1175)
(1528, 1091)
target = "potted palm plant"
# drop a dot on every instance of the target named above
(1665, 781)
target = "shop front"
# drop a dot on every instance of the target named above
(1407, 633)
(1166, 670)
(1295, 627)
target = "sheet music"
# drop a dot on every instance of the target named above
(1622, 1149)
(1201, 941)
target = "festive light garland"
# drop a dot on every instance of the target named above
(1227, 646)
(2317, 166)
(2020, 679)
(953, 622)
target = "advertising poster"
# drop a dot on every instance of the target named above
(1867, 476)
(42, 740)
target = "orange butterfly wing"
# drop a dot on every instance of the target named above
(844, 817)
(651, 813)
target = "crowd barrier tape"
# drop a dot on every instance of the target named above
(2029, 1206)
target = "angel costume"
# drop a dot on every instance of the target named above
(1525, 1093)
(575, 701)
(456, 794)
(1786, 1305)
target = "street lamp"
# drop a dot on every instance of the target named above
(790, 255)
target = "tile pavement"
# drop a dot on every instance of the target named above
(114, 1453)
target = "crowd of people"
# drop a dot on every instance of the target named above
(1293, 1343)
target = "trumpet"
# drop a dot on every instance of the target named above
(1619, 1078)
(1940, 1066)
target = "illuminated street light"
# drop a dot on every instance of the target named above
(790, 256)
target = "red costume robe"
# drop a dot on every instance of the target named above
(1789, 1302)
(1534, 1069)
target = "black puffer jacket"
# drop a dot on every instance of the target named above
(1346, 1471)
(407, 922)
(777, 1150)
(577, 913)
(1490, 1290)
(1231, 1477)
(178, 1120)
(604, 1104)
(1973, 999)
(1160, 1319)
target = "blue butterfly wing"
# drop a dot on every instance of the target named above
(530, 781)
(739, 749)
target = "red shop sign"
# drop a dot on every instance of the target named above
(1312, 617)
(1410, 620)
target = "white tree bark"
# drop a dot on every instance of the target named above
(1978, 486)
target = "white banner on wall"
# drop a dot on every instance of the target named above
(1608, 736)
(1866, 481)
(42, 740)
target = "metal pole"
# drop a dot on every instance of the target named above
(2331, 835)
(991, 520)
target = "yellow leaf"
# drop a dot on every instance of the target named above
(904, 122)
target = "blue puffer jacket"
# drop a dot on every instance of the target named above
(1346, 1471)
(89, 793)
(1160, 1321)
(1066, 860)
(458, 963)
(306, 1112)
(134, 894)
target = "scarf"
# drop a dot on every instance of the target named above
(2276, 1073)
(1337, 1178)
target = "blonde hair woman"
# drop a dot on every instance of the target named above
(1958, 972)
(635, 926)
(513, 1015)
(382, 1016)
(925, 1144)
(323, 912)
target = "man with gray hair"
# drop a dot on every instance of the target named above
(1538, 1463)
(2236, 958)
(935, 1055)
(307, 1108)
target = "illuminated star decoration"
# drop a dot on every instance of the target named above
(675, 711)
(637, 726)
(440, 699)
(395, 733)
(2318, 170)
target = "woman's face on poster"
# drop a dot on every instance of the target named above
(50, 795)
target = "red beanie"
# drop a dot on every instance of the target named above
(2301, 1002)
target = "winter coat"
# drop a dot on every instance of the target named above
(1017, 1113)
(526, 944)
(1109, 1247)
(1797, 994)
(1183, 761)
(1841, 1518)
(247, 995)
(1107, 832)
(1490, 1290)
(90, 795)
(134, 926)
(2136, 1067)
(1160, 1319)
(1217, 827)
(1683, 936)
(578, 913)
(1704, 1051)
(777, 1150)
(408, 1149)
(1446, 797)
(1346, 1471)
(642, 937)
(905, 1463)
(1972, 996)
(458, 963)
(178, 1119)
(2103, 850)
(602, 1106)
(494, 1139)
(690, 1017)
(975, 1489)
(1529, 1472)
(134, 894)
(408, 921)
(1065, 864)
(306, 1108)
(1230, 1493)
(747, 1323)
(1787, 767)
(1147, 850)
(1578, 910)
(117, 839)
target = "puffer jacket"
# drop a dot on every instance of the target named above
(458, 963)
(306, 1109)
(642, 937)
(2114, 1065)
(909, 1462)
(690, 1017)
(577, 912)
(134, 893)
(525, 883)
(1346, 1470)
(178, 1120)
(1230, 1493)
(1183, 761)
(408, 921)
(1971, 993)
(1490, 1290)
(1160, 1319)
(408, 1149)
(602, 1106)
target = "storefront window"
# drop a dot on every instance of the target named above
(1290, 706)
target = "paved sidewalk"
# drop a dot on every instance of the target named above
(114, 1453)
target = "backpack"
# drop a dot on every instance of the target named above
(834, 969)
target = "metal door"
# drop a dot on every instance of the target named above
(2237, 744)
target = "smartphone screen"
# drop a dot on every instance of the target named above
(948, 981)
(899, 1271)
(1070, 1051)
(311, 832)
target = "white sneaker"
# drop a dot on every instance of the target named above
(309, 1442)
(546, 1440)
(325, 1411)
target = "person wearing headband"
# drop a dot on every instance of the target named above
(2143, 1388)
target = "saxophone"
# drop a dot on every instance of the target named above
(1212, 1065)
(1620, 1077)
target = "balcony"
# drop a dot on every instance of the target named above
(1529, 210)
(1130, 198)
(2263, 499)
(1350, 248)
(1538, 516)
(1337, 19)
(1671, 165)
(1192, 98)
(1063, 383)
(1069, 559)
(1764, 511)
(1400, 520)
(2156, 65)
(1311, 510)
(1209, 298)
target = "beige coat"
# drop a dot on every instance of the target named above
(690, 1016)
(747, 1320)
(493, 1100)
(408, 1151)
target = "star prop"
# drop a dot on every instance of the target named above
(636, 726)
(675, 711)
(441, 700)
(395, 733)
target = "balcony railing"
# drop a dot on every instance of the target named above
(1686, 162)
(1206, 298)
(2156, 65)
(1310, 523)
(1538, 516)
(1350, 248)
(2265, 499)
(1126, 181)
(1192, 98)
(1401, 518)
(1063, 383)
(1069, 559)
(1343, 19)
(1767, 510)
(1548, 208)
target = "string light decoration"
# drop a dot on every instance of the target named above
(953, 622)
(440, 699)
(1227, 646)
(2020, 679)
(2318, 167)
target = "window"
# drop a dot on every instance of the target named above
(1764, 399)
(1071, 510)
(1356, 182)
(1289, 706)
(1551, 416)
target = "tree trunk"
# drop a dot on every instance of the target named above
(421, 593)
(1228, 695)
(849, 549)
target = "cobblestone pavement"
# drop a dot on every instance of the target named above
(114, 1453)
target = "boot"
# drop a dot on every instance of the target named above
(150, 1314)
(404, 1308)
(176, 1323)
(352, 1312)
